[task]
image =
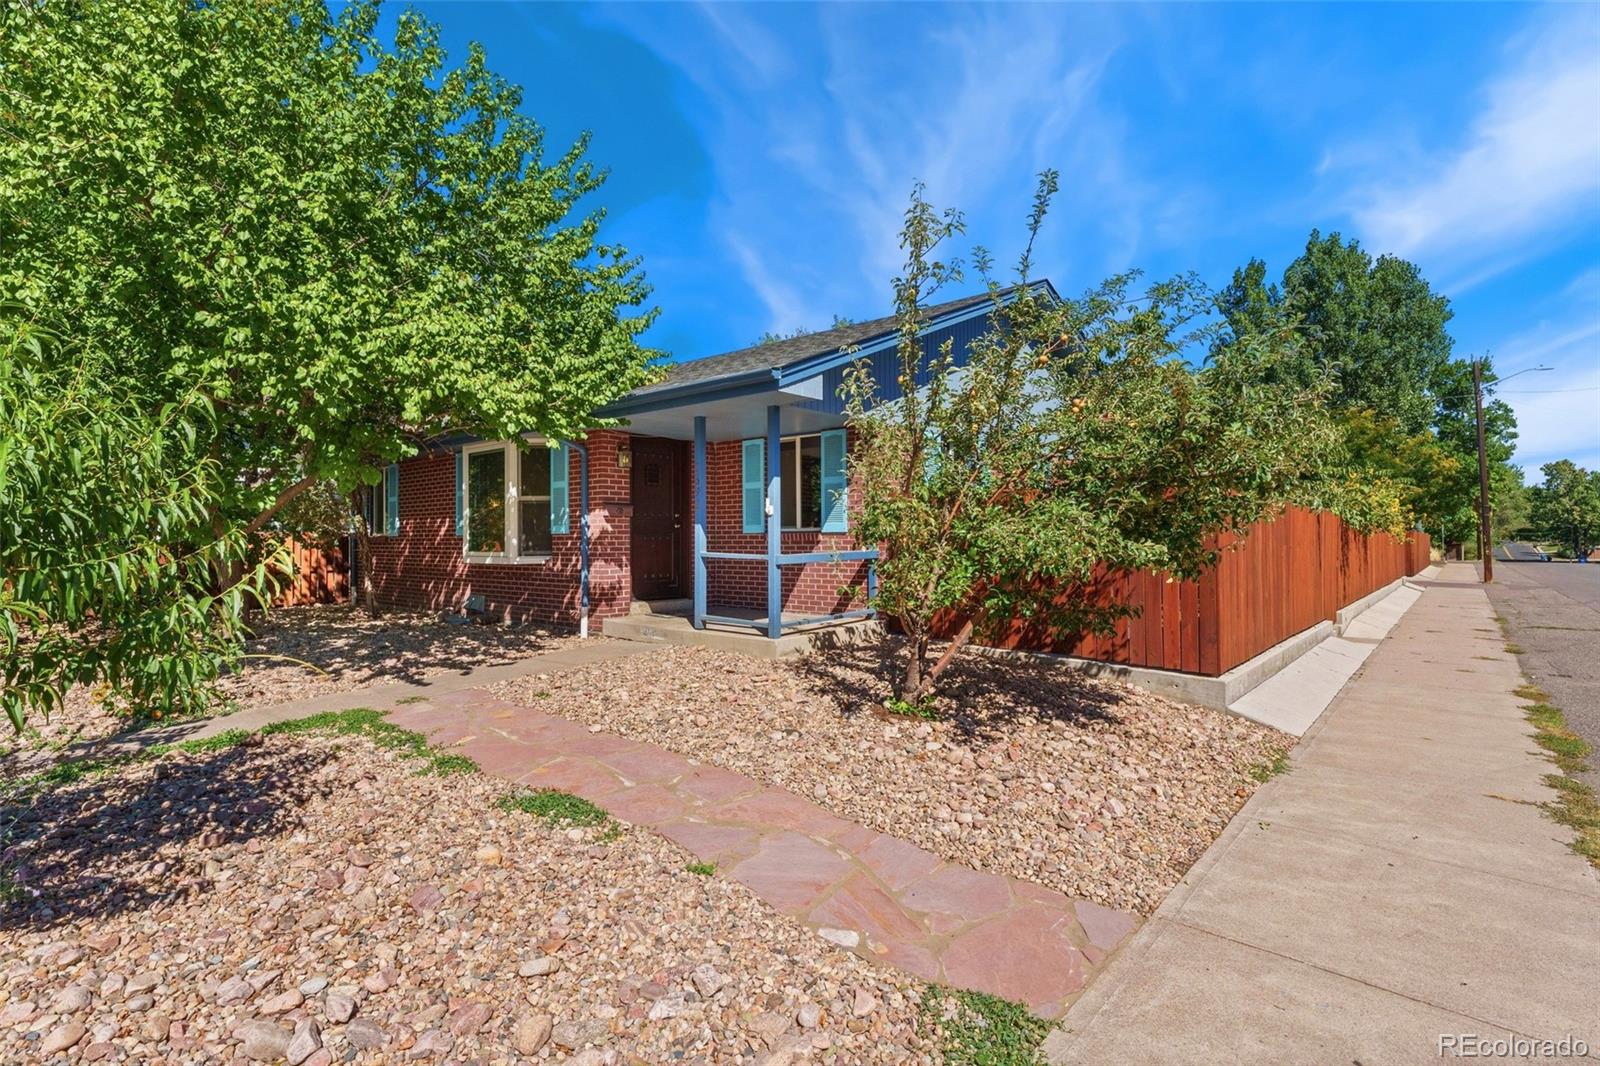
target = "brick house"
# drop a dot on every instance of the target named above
(724, 491)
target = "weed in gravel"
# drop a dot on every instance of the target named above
(905, 708)
(555, 807)
(1277, 763)
(982, 1030)
(704, 869)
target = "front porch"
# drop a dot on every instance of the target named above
(767, 554)
(743, 631)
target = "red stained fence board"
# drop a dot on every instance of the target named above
(1272, 580)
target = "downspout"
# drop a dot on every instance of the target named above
(583, 539)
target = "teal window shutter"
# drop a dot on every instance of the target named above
(558, 489)
(835, 485)
(461, 493)
(755, 489)
(391, 500)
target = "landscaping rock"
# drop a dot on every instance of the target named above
(304, 1043)
(532, 1033)
(632, 933)
(1104, 792)
(543, 966)
(62, 1037)
(265, 1041)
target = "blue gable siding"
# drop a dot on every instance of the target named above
(886, 365)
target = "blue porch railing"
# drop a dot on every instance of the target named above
(775, 625)
(773, 557)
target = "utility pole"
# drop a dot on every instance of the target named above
(1486, 549)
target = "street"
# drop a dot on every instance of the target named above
(1552, 611)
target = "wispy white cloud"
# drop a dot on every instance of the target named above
(1528, 164)
(818, 131)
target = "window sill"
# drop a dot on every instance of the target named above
(507, 560)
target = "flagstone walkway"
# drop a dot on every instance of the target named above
(875, 894)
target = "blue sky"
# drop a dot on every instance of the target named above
(761, 155)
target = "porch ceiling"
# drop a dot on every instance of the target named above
(736, 417)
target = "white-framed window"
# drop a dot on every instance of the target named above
(506, 505)
(813, 491)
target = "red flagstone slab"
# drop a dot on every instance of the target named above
(861, 905)
(713, 843)
(895, 862)
(581, 777)
(1026, 955)
(775, 807)
(713, 784)
(645, 805)
(937, 920)
(645, 765)
(955, 890)
(913, 958)
(1104, 926)
(790, 871)
(504, 758)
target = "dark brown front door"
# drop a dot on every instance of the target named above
(657, 518)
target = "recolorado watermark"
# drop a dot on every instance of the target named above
(1477, 1046)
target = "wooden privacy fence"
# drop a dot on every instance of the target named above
(316, 575)
(1276, 579)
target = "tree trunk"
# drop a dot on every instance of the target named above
(369, 593)
(931, 676)
(916, 659)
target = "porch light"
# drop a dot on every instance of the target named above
(624, 457)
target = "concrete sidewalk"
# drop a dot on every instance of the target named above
(1399, 884)
(1296, 696)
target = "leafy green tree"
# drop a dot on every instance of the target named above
(106, 539)
(1374, 325)
(288, 252)
(1566, 508)
(1379, 330)
(349, 247)
(1074, 435)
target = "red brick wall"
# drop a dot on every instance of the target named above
(423, 567)
(811, 589)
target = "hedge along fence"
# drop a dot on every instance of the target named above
(1273, 580)
(316, 575)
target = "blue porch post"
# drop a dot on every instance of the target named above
(699, 616)
(774, 528)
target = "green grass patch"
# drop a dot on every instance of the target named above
(704, 869)
(370, 724)
(1276, 763)
(555, 807)
(906, 709)
(1513, 649)
(977, 1029)
(359, 722)
(1532, 693)
(1575, 805)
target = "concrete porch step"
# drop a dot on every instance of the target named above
(683, 606)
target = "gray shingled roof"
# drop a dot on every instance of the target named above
(776, 354)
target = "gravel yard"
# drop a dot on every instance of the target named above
(356, 650)
(348, 649)
(313, 898)
(1102, 791)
